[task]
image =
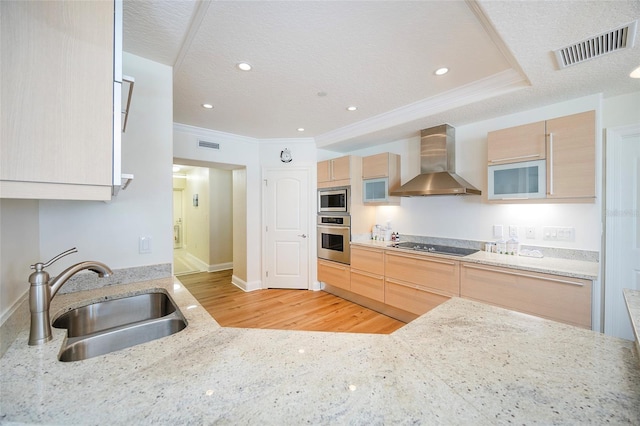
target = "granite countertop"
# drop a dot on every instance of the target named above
(548, 265)
(462, 363)
(632, 299)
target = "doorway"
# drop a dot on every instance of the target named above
(287, 236)
(622, 226)
(202, 219)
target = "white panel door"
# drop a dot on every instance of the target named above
(622, 224)
(287, 229)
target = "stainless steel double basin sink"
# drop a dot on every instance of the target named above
(111, 325)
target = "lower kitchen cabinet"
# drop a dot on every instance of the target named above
(555, 297)
(334, 274)
(410, 297)
(367, 285)
(418, 284)
(439, 274)
(367, 272)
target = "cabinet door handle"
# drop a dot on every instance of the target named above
(518, 274)
(520, 157)
(303, 235)
(424, 258)
(550, 163)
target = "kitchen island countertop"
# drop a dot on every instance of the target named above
(461, 363)
(548, 265)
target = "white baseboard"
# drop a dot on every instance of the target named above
(245, 286)
(220, 267)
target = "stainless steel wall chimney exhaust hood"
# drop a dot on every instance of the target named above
(437, 167)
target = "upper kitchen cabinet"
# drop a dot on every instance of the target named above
(57, 82)
(336, 172)
(380, 174)
(571, 156)
(516, 144)
(547, 160)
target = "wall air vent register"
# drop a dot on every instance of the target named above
(209, 145)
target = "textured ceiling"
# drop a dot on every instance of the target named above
(379, 56)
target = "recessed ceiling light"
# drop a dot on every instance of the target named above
(207, 106)
(243, 66)
(352, 108)
(442, 71)
(635, 73)
(301, 129)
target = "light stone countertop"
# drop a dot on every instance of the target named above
(632, 300)
(461, 363)
(548, 265)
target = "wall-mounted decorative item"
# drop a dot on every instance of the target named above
(285, 155)
(195, 200)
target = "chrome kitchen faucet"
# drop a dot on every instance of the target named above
(42, 291)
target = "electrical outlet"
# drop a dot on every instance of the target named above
(497, 231)
(530, 232)
(558, 233)
(513, 231)
(144, 245)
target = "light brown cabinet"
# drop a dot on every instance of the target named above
(558, 298)
(566, 143)
(335, 172)
(571, 156)
(380, 175)
(334, 274)
(516, 144)
(57, 100)
(367, 272)
(417, 283)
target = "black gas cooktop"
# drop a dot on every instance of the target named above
(433, 248)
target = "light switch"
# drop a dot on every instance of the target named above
(513, 231)
(144, 245)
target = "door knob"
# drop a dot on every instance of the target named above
(303, 235)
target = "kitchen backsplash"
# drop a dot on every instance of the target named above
(91, 281)
(560, 253)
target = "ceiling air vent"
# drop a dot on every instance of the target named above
(210, 145)
(611, 41)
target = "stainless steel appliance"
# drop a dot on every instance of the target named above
(437, 167)
(334, 235)
(334, 200)
(432, 248)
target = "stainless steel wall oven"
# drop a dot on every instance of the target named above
(334, 236)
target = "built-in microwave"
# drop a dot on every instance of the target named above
(527, 179)
(334, 200)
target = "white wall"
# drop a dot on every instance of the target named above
(110, 232)
(471, 217)
(236, 152)
(220, 217)
(196, 220)
(19, 248)
(621, 110)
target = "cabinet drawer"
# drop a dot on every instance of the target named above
(441, 275)
(367, 259)
(554, 297)
(367, 285)
(335, 274)
(408, 297)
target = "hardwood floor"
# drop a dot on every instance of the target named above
(282, 309)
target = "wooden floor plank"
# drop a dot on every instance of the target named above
(282, 309)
